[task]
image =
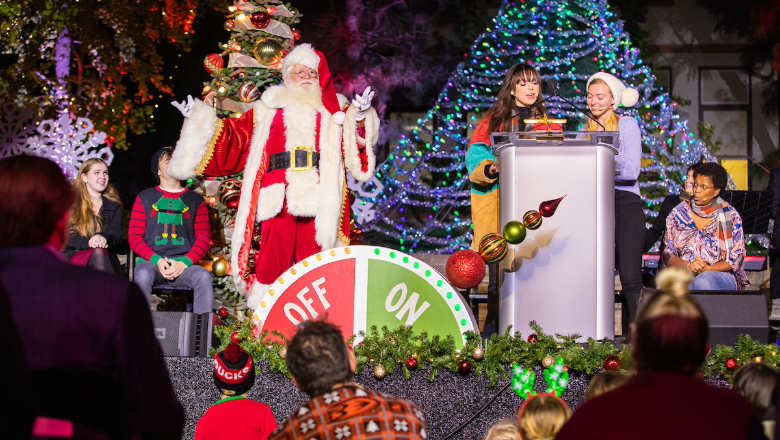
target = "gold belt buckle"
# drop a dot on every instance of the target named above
(294, 166)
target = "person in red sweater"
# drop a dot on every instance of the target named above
(170, 232)
(235, 416)
(665, 400)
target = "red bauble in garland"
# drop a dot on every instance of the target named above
(532, 219)
(222, 312)
(730, 364)
(548, 208)
(492, 248)
(260, 19)
(213, 62)
(235, 338)
(465, 269)
(532, 338)
(411, 364)
(612, 363)
(464, 366)
(296, 34)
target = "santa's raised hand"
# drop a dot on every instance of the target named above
(185, 107)
(362, 103)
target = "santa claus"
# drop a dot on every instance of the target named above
(293, 147)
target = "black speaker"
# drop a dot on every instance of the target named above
(730, 313)
(734, 312)
(183, 334)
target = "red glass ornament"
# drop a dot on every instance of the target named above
(260, 19)
(213, 62)
(464, 366)
(532, 338)
(730, 363)
(222, 312)
(229, 25)
(296, 34)
(612, 363)
(411, 364)
(465, 269)
(235, 338)
(548, 208)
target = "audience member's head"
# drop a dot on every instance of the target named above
(234, 370)
(541, 417)
(503, 430)
(605, 382)
(756, 382)
(671, 330)
(35, 203)
(317, 358)
(160, 161)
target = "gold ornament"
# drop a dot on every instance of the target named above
(283, 353)
(547, 361)
(268, 51)
(478, 354)
(379, 371)
(220, 267)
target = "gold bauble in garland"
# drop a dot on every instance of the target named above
(220, 267)
(379, 371)
(283, 353)
(268, 51)
(547, 361)
(478, 354)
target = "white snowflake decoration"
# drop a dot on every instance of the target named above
(16, 127)
(69, 144)
(364, 209)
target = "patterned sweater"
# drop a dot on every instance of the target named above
(162, 225)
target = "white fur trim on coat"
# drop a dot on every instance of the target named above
(269, 201)
(352, 140)
(196, 133)
(255, 294)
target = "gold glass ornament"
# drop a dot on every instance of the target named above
(268, 51)
(379, 372)
(220, 267)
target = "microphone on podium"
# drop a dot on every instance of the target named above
(552, 84)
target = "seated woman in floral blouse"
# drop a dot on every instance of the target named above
(704, 235)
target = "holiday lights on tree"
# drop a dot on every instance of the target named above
(424, 202)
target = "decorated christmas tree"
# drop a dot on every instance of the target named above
(420, 201)
(261, 33)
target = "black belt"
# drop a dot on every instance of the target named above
(281, 161)
(625, 182)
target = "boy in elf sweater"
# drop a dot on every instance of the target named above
(170, 232)
(234, 416)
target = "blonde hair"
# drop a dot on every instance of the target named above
(604, 383)
(541, 417)
(613, 120)
(83, 219)
(673, 282)
(503, 430)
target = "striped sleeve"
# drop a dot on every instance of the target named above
(202, 234)
(136, 231)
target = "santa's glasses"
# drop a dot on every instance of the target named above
(310, 73)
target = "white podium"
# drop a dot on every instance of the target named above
(562, 275)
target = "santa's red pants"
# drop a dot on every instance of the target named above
(286, 240)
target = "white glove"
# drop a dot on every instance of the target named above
(185, 107)
(363, 103)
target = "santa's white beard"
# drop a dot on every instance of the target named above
(297, 95)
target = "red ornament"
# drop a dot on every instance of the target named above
(730, 364)
(465, 269)
(235, 338)
(532, 338)
(612, 363)
(260, 19)
(296, 34)
(548, 208)
(213, 62)
(222, 312)
(464, 366)
(411, 364)
(229, 25)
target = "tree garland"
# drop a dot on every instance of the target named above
(403, 349)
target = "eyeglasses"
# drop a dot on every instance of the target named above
(701, 187)
(311, 73)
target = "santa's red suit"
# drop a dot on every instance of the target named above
(304, 209)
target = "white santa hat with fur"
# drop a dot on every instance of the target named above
(304, 55)
(622, 94)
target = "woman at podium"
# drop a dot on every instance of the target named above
(605, 94)
(520, 98)
(705, 236)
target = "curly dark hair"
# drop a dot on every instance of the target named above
(317, 358)
(718, 174)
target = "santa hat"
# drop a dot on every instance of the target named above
(234, 371)
(314, 59)
(622, 94)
